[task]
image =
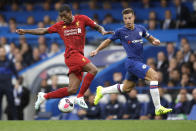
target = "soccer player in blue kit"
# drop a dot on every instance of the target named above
(131, 38)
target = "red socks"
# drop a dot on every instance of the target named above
(86, 83)
(60, 93)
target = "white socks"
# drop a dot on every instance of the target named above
(117, 88)
(154, 91)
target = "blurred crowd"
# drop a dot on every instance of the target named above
(184, 17)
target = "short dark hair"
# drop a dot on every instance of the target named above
(65, 7)
(127, 11)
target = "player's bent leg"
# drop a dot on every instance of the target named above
(152, 76)
(92, 71)
(117, 88)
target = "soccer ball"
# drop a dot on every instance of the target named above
(66, 105)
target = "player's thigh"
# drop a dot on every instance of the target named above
(138, 69)
(90, 67)
(151, 75)
(74, 81)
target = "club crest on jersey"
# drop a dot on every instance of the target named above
(83, 59)
(64, 27)
(77, 23)
(144, 66)
(140, 33)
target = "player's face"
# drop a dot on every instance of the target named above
(129, 20)
(66, 17)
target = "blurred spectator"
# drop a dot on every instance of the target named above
(26, 52)
(40, 24)
(194, 71)
(36, 56)
(152, 25)
(151, 16)
(57, 5)
(151, 62)
(183, 42)
(93, 4)
(21, 98)
(29, 6)
(2, 21)
(118, 77)
(2, 5)
(76, 5)
(151, 109)
(54, 49)
(15, 6)
(124, 4)
(185, 80)
(18, 66)
(54, 83)
(186, 68)
(18, 58)
(46, 6)
(7, 71)
(146, 4)
(44, 87)
(171, 52)
(10, 55)
(132, 106)
(93, 112)
(172, 65)
(47, 20)
(179, 58)
(182, 13)
(41, 40)
(12, 21)
(107, 5)
(183, 106)
(43, 51)
(30, 20)
(168, 23)
(162, 62)
(174, 76)
(114, 109)
(163, 3)
(186, 52)
(4, 43)
(12, 28)
(193, 101)
(192, 58)
(108, 19)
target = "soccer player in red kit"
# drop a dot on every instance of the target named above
(72, 30)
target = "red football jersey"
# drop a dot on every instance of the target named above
(73, 34)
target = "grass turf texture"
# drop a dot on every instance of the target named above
(98, 125)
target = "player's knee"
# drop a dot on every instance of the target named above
(72, 90)
(154, 77)
(94, 71)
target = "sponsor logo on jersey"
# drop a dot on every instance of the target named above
(77, 23)
(72, 32)
(83, 59)
(137, 41)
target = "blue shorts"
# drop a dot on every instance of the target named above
(135, 69)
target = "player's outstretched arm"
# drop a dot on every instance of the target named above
(38, 31)
(103, 45)
(154, 41)
(102, 30)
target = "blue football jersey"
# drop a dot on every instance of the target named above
(132, 40)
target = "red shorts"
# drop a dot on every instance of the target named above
(75, 62)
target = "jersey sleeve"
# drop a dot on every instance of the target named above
(53, 28)
(145, 32)
(88, 21)
(115, 36)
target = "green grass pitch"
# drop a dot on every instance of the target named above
(99, 125)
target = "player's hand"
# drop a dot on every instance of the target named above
(20, 31)
(93, 53)
(156, 42)
(107, 32)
